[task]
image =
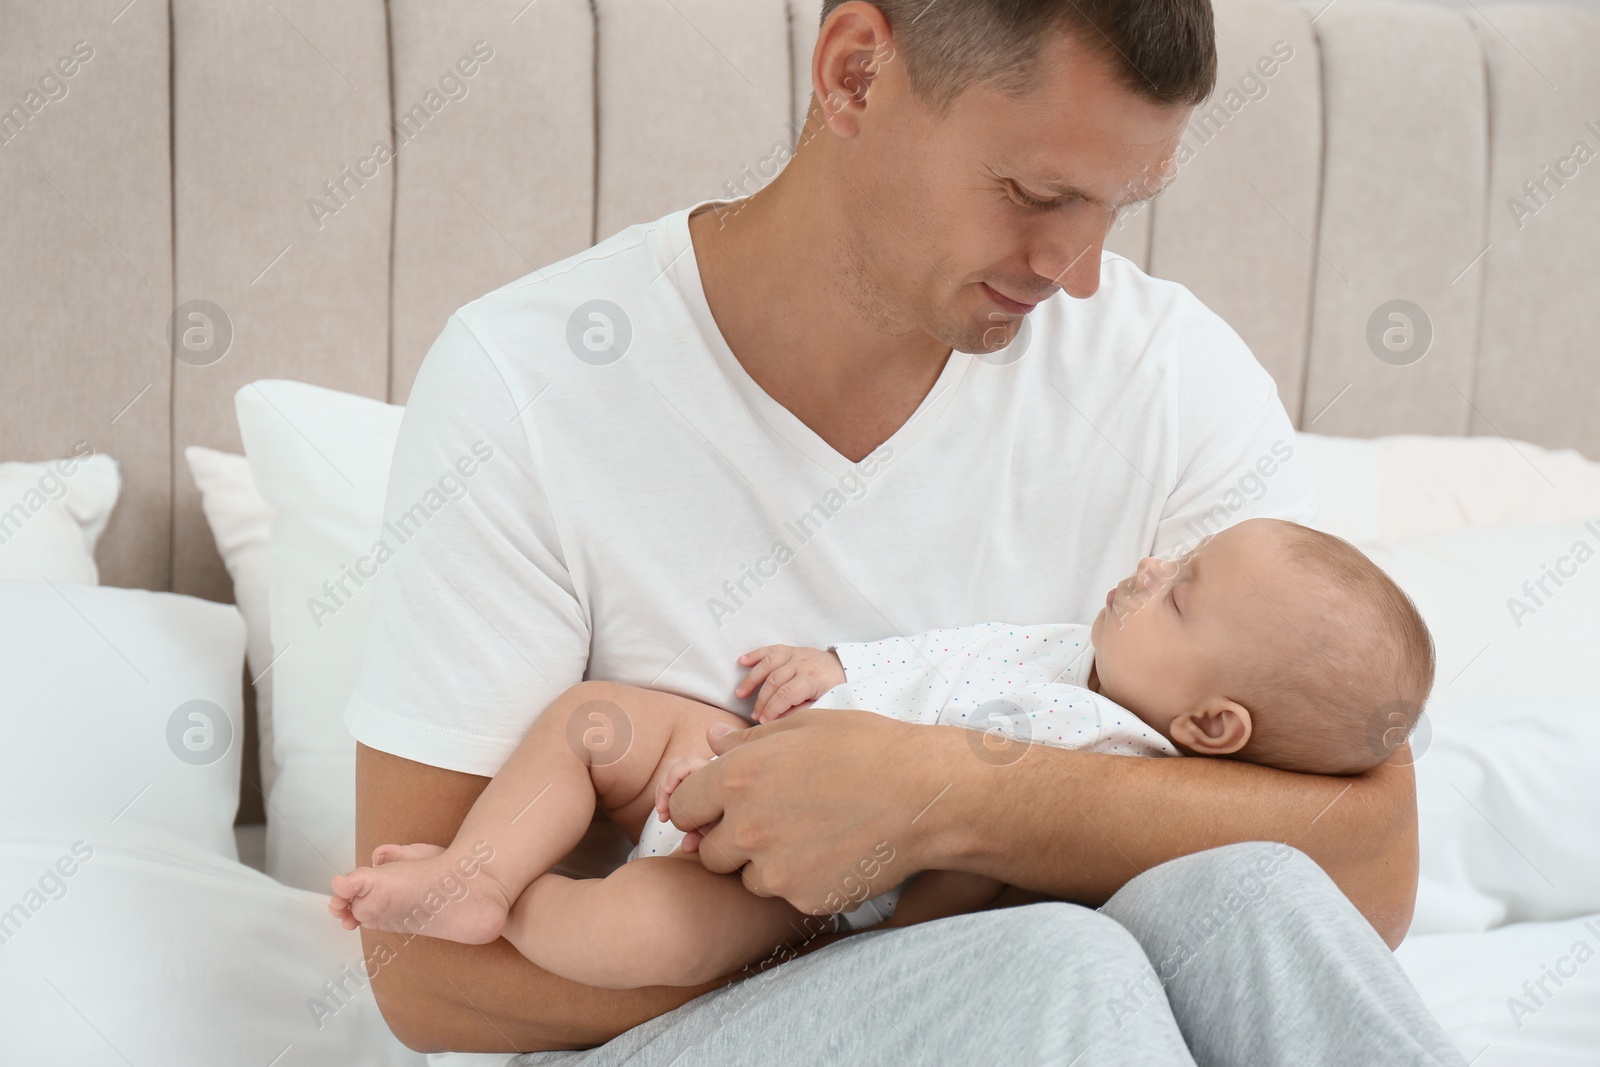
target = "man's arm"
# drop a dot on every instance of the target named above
(1084, 823)
(1074, 825)
(439, 995)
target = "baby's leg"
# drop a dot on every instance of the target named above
(660, 920)
(597, 737)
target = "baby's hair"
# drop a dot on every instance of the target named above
(1354, 696)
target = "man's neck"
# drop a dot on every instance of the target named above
(770, 275)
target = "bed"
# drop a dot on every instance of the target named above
(213, 338)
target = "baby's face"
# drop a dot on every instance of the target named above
(1172, 635)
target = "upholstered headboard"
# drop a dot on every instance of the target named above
(160, 152)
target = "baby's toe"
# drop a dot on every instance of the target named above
(390, 853)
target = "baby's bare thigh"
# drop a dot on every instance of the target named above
(652, 730)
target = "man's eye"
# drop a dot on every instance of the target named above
(1028, 201)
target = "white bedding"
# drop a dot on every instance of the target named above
(153, 950)
(1474, 985)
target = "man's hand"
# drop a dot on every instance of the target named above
(801, 805)
(816, 808)
(790, 677)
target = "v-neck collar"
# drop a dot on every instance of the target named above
(685, 267)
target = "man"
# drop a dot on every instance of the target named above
(901, 388)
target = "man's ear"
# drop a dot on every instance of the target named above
(853, 46)
(1221, 727)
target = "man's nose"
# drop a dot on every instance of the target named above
(1082, 279)
(1070, 256)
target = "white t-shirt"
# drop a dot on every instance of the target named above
(646, 513)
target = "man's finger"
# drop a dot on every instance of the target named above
(717, 852)
(698, 800)
(697, 804)
(725, 737)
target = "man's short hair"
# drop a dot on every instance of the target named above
(1164, 50)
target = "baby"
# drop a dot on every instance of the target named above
(1269, 642)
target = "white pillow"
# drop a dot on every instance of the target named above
(122, 705)
(134, 946)
(241, 524)
(1496, 632)
(1507, 752)
(53, 513)
(321, 459)
(1507, 801)
(1413, 486)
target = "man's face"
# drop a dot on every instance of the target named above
(942, 228)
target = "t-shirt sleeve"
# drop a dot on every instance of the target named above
(1237, 453)
(476, 625)
(908, 658)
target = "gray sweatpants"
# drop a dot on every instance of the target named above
(1246, 954)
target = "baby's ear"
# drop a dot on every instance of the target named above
(1220, 728)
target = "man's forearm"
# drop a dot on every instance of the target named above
(488, 998)
(442, 996)
(1078, 825)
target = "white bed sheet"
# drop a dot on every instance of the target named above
(1474, 985)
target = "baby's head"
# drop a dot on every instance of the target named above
(1269, 642)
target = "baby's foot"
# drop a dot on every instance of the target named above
(417, 889)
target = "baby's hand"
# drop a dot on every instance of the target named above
(789, 678)
(676, 772)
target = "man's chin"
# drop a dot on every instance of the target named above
(978, 337)
(986, 341)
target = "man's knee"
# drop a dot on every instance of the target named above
(1052, 936)
(1200, 894)
(1080, 967)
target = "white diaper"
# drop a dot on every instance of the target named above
(663, 838)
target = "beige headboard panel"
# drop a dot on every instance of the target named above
(86, 257)
(1355, 153)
